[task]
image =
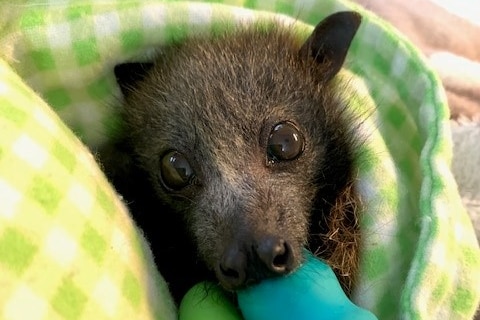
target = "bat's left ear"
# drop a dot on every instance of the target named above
(329, 42)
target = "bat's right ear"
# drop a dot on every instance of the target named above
(128, 74)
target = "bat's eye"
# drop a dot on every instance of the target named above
(284, 143)
(176, 171)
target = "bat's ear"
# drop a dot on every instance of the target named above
(329, 42)
(128, 74)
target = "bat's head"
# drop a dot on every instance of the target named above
(240, 135)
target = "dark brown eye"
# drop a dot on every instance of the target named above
(175, 170)
(284, 143)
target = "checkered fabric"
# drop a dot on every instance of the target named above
(69, 250)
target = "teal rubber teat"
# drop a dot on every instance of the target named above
(310, 293)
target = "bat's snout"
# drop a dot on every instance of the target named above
(246, 263)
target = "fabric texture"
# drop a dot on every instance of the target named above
(68, 248)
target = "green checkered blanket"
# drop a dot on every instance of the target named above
(68, 248)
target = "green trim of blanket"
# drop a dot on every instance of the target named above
(68, 249)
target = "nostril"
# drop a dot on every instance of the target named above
(229, 272)
(276, 254)
(282, 255)
(231, 269)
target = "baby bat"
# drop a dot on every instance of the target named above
(238, 151)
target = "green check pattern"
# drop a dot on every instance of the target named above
(68, 248)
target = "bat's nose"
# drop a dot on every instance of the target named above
(241, 265)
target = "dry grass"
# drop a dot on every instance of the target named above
(342, 241)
